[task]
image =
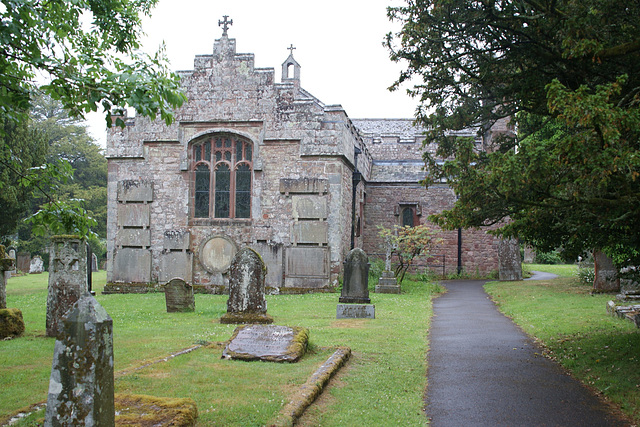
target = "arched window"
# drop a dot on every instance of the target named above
(408, 216)
(227, 191)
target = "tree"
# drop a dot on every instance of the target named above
(87, 51)
(67, 139)
(407, 243)
(15, 197)
(567, 75)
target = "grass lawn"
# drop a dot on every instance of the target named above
(564, 270)
(577, 331)
(384, 380)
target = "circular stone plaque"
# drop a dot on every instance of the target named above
(216, 254)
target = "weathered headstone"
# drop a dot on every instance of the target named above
(36, 266)
(246, 303)
(387, 283)
(606, 273)
(6, 265)
(529, 254)
(81, 388)
(269, 343)
(67, 279)
(23, 261)
(94, 262)
(179, 296)
(354, 298)
(12, 254)
(509, 261)
(355, 287)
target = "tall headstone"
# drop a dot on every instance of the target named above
(246, 303)
(354, 298)
(509, 261)
(67, 279)
(529, 254)
(179, 296)
(12, 254)
(94, 262)
(36, 266)
(355, 286)
(606, 274)
(6, 265)
(23, 261)
(81, 391)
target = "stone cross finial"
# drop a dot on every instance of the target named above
(291, 48)
(225, 24)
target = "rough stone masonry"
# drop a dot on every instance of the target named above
(266, 164)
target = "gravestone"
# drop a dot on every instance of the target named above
(355, 287)
(387, 283)
(606, 274)
(81, 391)
(94, 262)
(179, 296)
(529, 254)
(67, 279)
(246, 303)
(270, 343)
(23, 261)
(6, 265)
(354, 298)
(12, 254)
(509, 261)
(36, 266)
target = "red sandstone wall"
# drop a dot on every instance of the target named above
(479, 249)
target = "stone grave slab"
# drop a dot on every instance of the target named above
(269, 343)
(356, 311)
(387, 284)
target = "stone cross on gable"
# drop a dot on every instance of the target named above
(225, 24)
(291, 48)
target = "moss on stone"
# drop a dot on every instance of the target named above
(311, 389)
(246, 318)
(11, 323)
(147, 411)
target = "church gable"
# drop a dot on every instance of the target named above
(264, 164)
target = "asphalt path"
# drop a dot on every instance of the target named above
(484, 371)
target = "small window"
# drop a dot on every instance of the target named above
(408, 216)
(227, 191)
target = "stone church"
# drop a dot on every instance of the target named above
(250, 161)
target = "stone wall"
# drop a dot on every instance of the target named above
(295, 137)
(479, 249)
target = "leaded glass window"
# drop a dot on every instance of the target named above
(225, 193)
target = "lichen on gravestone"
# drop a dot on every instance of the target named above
(355, 288)
(247, 303)
(81, 387)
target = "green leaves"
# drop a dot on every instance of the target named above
(83, 65)
(567, 75)
(63, 218)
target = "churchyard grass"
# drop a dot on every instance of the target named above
(384, 380)
(562, 270)
(575, 329)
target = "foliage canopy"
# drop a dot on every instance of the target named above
(86, 50)
(566, 73)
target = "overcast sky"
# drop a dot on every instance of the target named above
(338, 46)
